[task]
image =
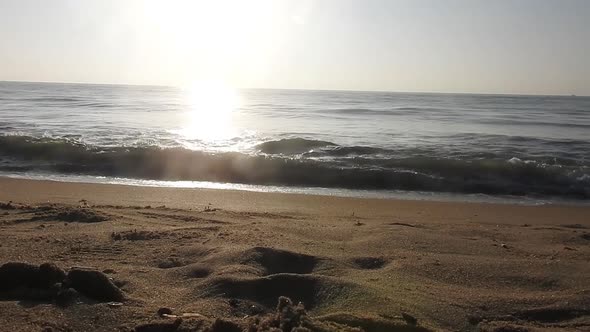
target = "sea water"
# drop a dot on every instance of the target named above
(373, 144)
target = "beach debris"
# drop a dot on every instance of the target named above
(115, 304)
(402, 224)
(286, 318)
(289, 316)
(164, 311)
(503, 245)
(209, 208)
(94, 284)
(184, 315)
(387, 316)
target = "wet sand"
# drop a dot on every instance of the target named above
(368, 264)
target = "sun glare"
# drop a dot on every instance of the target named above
(212, 38)
(210, 110)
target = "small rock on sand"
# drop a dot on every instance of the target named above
(17, 274)
(94, 284)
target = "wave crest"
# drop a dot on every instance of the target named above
(500, 177)
(292, 146)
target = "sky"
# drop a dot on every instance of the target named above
(472, 46)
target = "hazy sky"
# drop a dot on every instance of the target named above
(493, 46)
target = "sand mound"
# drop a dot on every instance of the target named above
(197, 271)
(7, 206)
(68, 214)
(369, 263)
(135, 235)
(573, 312)
(255, 261)
(574, 226)
(552, 314)
(279, 261)
(502, 327)
(311, 290)
(170, 263)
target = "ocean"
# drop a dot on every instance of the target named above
(370, 144)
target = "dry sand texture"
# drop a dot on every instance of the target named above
(205, 260)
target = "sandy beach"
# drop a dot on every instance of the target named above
(218, 260)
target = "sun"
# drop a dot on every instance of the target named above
(210, 109)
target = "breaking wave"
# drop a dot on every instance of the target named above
(510, 176)
(292, 146)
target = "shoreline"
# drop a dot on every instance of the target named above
(308, 191)
(37, 191)
(223, 255)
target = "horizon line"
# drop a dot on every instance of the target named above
(308, 89)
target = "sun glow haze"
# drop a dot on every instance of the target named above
(214, 46)
(522, 47)
(211, 106)
(224, 40)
